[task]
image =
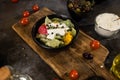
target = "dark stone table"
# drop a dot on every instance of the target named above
(15, 52)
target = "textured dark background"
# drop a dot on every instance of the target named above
(15, 52)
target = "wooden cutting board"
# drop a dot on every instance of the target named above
(63, 61)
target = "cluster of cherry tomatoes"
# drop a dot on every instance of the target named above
(26, 13)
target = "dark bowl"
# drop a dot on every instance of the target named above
(99, 1)
(79, 10)
(41, 21)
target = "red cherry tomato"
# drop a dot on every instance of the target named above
(14, 1)
(94, 44)
(26, 13)
(35, 7)
(24, 21)
(74, 75)
(55, 79)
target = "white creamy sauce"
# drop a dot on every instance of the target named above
(108, 21)
(59, 29)
(53, 24)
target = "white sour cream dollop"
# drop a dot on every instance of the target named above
(59, 29)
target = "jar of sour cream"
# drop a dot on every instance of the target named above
(107, 24)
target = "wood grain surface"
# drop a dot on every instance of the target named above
(63, 61)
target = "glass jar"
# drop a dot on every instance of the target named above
(106, 24)
(115, 69)
(9, 73)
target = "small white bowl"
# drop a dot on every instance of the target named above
(106, 24)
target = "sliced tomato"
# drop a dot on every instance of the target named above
(94, 44)
(42, 29)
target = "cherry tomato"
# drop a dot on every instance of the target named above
(94, 44)
(55, 79)
(14, 1)
(73, 75)
(26, 13)
(35, 7)
(24, 21)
